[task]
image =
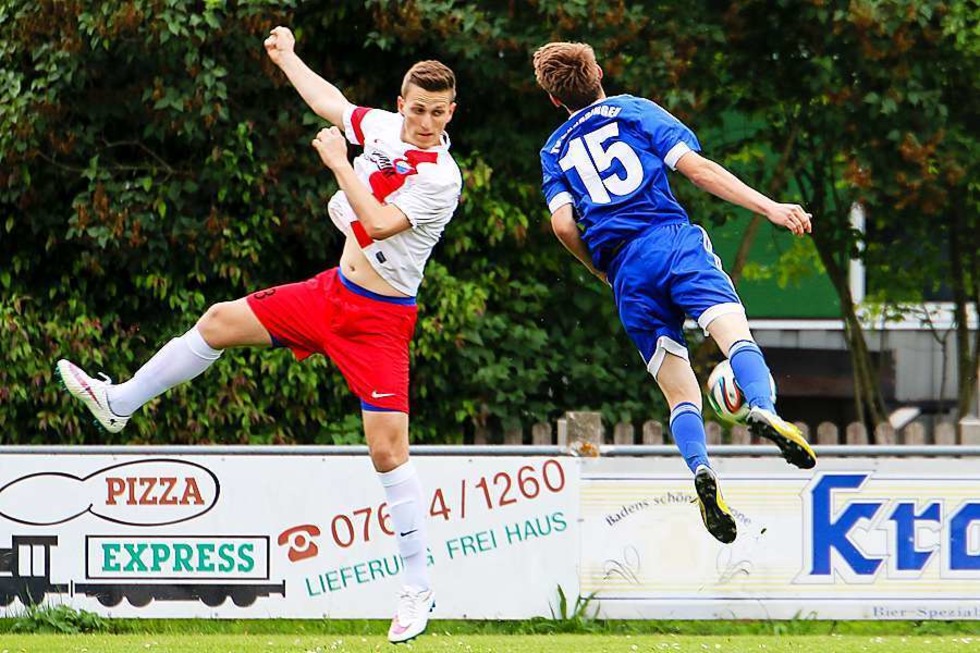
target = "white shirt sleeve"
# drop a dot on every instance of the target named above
(560, 200)
(432, 196)
(361, 123)
(675, 154)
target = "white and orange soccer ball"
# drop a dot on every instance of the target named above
(724, 396)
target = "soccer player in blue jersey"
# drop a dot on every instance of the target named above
(605, 181)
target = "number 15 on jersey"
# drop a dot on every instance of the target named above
(590, 168)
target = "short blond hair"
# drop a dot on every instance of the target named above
(430, 75)
(569, 72)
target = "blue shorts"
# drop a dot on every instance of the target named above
(662, 276)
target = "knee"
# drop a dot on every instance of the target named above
(682, 394)
(214, 323)
(728, 329)
(386, 456)
(731, 337)
(679, 385)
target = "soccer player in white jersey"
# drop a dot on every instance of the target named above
(605, 181)
(393, 205)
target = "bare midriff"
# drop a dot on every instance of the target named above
(357, 269)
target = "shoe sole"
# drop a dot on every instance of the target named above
(714, 512)
(421, 632)
(791, 444)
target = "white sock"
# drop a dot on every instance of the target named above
(179, 360)
(406, 505)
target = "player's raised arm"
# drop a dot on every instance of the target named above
(324, 98)
(715, 179)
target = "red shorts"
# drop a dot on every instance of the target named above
(365, 334)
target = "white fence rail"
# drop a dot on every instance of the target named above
(587, 426)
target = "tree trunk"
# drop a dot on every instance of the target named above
(868, 400)
(744, 247)
(708, 350)
(966, 290)
(775, 185)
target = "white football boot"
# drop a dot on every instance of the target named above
(412, 616)
(93, 393)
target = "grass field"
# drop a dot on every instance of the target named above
(445, 643)
(310, 636)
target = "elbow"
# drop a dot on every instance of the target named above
(562, 230)
(375, 230)
(699, 175)
(563, 227)
(702, 177)
(568, 237)
(384, 221)
(698, 170)
(380, 229)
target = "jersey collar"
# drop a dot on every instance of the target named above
(589, 106)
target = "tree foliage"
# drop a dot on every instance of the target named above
(152, 162)
(876, 98)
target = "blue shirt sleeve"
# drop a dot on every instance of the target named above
(556, 191)
(669, 138)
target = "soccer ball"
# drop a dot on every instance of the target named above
(725, 397)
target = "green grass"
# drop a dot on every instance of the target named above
(365, 627)
(443, 642)
(530, 636)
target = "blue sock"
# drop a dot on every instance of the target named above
(687, 428)
(752, 374)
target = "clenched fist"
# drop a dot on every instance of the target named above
(331, 145)
(280, 43)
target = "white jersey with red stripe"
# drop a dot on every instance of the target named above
(424, 184)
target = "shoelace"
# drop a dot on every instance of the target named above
(108, 381)
(408, 605)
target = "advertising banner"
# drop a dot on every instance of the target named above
(855, 538)
(250, 536)
(309, 536)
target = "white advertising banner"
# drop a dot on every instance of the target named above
(308, 536)
(250, 536)
(855, 538)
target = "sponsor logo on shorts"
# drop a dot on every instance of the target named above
(381, 395)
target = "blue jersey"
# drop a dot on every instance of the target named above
(610, 161)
